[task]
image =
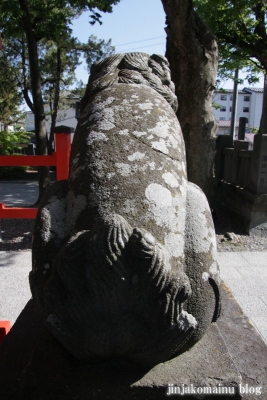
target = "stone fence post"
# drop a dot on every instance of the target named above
(258, 180)
(238, 146)
(242, 128)
(222, 142)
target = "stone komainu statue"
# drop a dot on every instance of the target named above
(124, 252)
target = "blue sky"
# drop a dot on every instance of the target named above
(132, 26)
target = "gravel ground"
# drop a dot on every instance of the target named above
(17, 235)
(231, 237)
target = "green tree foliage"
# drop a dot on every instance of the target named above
(96, 49)
(39, 20)
(12, 141)
(10, 96)
(240, 28)
(58, 62)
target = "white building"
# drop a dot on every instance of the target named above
(249, 105)
(65, 117)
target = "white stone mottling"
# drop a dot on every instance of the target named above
(136, 156)
(129, 207)
(152, 165)
(75, 206)
(169, 213)
(202, 233)
(174, 243)
(160, 146)
(53, 217)
(149, 238)
(124, 132)
(158, 195)
(110, 175)
(145, 106)
(96, 136)
(103, 115)
(123, 169)
(170, 179)
(214, 269)
(162, 128)
(139, 134)
(205, 276)
(181, 166)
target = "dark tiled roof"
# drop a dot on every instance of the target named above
(253, 89)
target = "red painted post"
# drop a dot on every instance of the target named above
(60, 159)
(32, 161)
(17, 212)
(63, 146)
(4, 329)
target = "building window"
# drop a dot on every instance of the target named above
(223, 108)
(230, 109)
(245, 109)
(223, 97)
(231, 97)
(222, 119)
(246, 98)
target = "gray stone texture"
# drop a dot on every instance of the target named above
(34, 365)
(258, 182)
(124, 252)
(205, 365)
(244, 343)
(249, 209)
(241, 179)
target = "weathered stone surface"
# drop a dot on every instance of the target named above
(53, 374)
(258, 183)
(124, 253)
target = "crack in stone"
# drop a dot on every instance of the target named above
(156, 150)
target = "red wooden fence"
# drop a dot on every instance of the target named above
(59, 159)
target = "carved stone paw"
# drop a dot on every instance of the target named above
(142, 243)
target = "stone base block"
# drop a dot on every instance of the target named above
(248, 208)
(45, 370)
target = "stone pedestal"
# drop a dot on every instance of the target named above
(35, 366)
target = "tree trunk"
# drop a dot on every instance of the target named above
(193, 56)
(38, 104)
(263, 123)
(55, 102)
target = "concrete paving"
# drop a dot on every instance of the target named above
(14, 283)
(17, 193)
(245, 273)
